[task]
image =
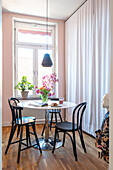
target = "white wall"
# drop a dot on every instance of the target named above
(111, 92)
(0, 84)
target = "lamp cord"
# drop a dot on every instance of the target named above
(47, 23)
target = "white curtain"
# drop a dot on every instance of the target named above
(87, 52)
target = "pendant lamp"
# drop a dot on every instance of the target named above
(47, 62)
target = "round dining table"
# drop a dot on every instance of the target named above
(46, 142)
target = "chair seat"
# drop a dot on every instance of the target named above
(26, 120)
(65, 126)
(55, 111)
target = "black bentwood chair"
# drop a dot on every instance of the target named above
(66, 127)
(56, 113)
(19, 121)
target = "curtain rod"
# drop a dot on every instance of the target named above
(76, 10)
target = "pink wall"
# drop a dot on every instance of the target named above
(8, 59)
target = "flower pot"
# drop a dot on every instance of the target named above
(24, 94)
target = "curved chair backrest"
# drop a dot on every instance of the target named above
(14, 108)
(79, 110)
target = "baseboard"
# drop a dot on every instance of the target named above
(41, 121)
(89, 134)
(6, 123)
(38, 121)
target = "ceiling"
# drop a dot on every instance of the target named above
(57, 9)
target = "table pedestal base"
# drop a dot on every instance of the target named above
(48, 144)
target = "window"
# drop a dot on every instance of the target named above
(30, 47)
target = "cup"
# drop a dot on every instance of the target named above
(61, 100)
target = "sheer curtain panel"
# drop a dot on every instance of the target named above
(87, 52)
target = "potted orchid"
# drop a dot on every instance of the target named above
(47, 89)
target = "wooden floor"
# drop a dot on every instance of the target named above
(62, 159)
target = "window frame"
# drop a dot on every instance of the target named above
(35, 47)
(17, 24)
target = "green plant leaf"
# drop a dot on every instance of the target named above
(24, 84)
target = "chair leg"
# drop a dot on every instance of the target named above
(56, 122)
(98, 154)
(60, 117)
(28, 135)
(55, 117)
(82, 140)
(33, 126)
(19, 148)
(74, 146)
(43, 130)
(13, 128)
(54, 140)
(18, 131)
(51, 120)
(64, 139)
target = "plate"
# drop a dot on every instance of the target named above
(57, 106)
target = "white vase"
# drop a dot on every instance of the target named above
(24, 94)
